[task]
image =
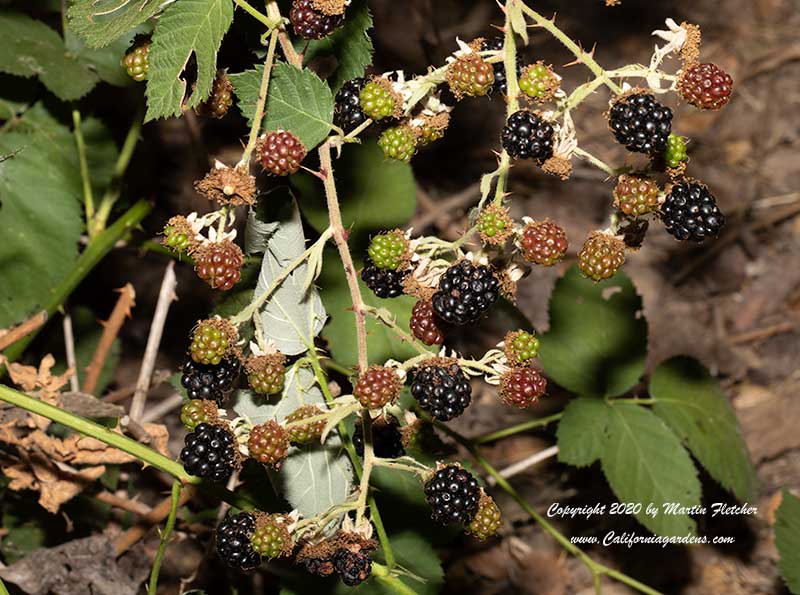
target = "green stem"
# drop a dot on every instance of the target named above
(88, 197)
(596, 161)
(517, 429)
(3, 590)
(259, 16)
(634, 401)
(94, 253)
(262, 99)
(390, 581)
(392, 324)
(168, 527)
(582, 56)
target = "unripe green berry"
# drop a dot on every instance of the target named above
(136, 62)
(388, 250)
(520, 347)
(398, 143)
(538, 82)
(376, 101)
(209, 343)
(675, 153)
(271, 539)
(198, 411)
(304, 433)
(487, 520)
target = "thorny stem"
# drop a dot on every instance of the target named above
(262, 99)
(175, 497)
(340, 237)
(88, 197)
(517, 429)
(366, 471)
(392, 324)
(596, 161)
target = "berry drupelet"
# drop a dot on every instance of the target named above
(453, 495)
(213, 382)
(442, 389)
(640, 123)
(347, 112)
(690, 212)
(466, 292)
(528, 136)
(209, 452)
(233, 542)
(383, 283)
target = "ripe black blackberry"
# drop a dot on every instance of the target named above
(442, 389)
(528, 136)
(690, 212)
(453, 495)
(500, 78)
(383, 283)
(210, 382)
(352, 567)
(347, 112)
(640, 123)
(309, 23)
(387, 441)
(233, 542)
(466, 292)
(209, 452)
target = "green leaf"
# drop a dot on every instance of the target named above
(293, 315)
(597, 340)
(787, 540)
(41, 244)
(646, 464)
(582, 432)
(312, 478)
(297, 101)
(31, 48)
(105, 62)
(691, 402)
(350, 44)
(21, 541)
(186, 27)
(99, 22)
(379, 193)
(382, 342)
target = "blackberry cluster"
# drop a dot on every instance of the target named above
(310, 23)
(383, 283)
(601, 256)
(466, 292)
(520, 347)
(539, 82)
(675, 153)
(640, 123)
(443, 390)
(211, 382)
(453, 495)
(209, 452)
(136, 62)
(706, 86)
(487, 519)
(543, 242)
(500, 79)
(347, 112)
(197, 411)
(528, 136)
(352, 567)
(494, 225)
(387, 441)
(691, 213)
(636, 195)
(221, 98)
(423, 324)
(281, 153)
(388, 250)
(219, 264)
(304, 433)
(210, 343)
(268, 443)
(377, 386)
(233, 542)
(266, 374)
(398, 143)
(522, 387)
(470, 75)
(271, 538)
(376, 100)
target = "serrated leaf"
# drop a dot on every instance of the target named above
(41, 244)
(597, 340)
(292, 316)
(691, 402)
(645, 463)
(582, 431)
(380, 193)
(787, 540)
(350, 44)
(312, 478)
(297, 101)
(99, 22)
(187, 27)
(31, 48)
(105, 61)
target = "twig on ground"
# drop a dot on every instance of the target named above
(158, 411)
(165, 298)
(524, 464)
(134, 506)
(16, 333)
(111, 327)
(69, 347)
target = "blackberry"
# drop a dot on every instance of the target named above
(442, 389)
(309, 23)
(487, 519)
(304, 433)
(635, 195)
(423, 324)
(136, 61)
(640, 123)
(178, 235)
(387, 440)
(675, 153)
(520, 347)
(706, 86)
(233, 542)
(528, 136)
(601, 256)
(539, 82)
(389, 250)
(500, 79)
(383, 283)
(398, 143)
(197, 411)
(691, 213)
(470, 75)
(209, 452)
(377, 100)
(453, 495)
(271, 538)
(221, 98)
(219, 264)
(522, 387)
(494, 225)
(378, 386)
(212, 340)
(281, 153)
(352, 567)
(266, 374)
(347, 112)
(543, 242)
(210, 382)
(466, 292)
(268, 443)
